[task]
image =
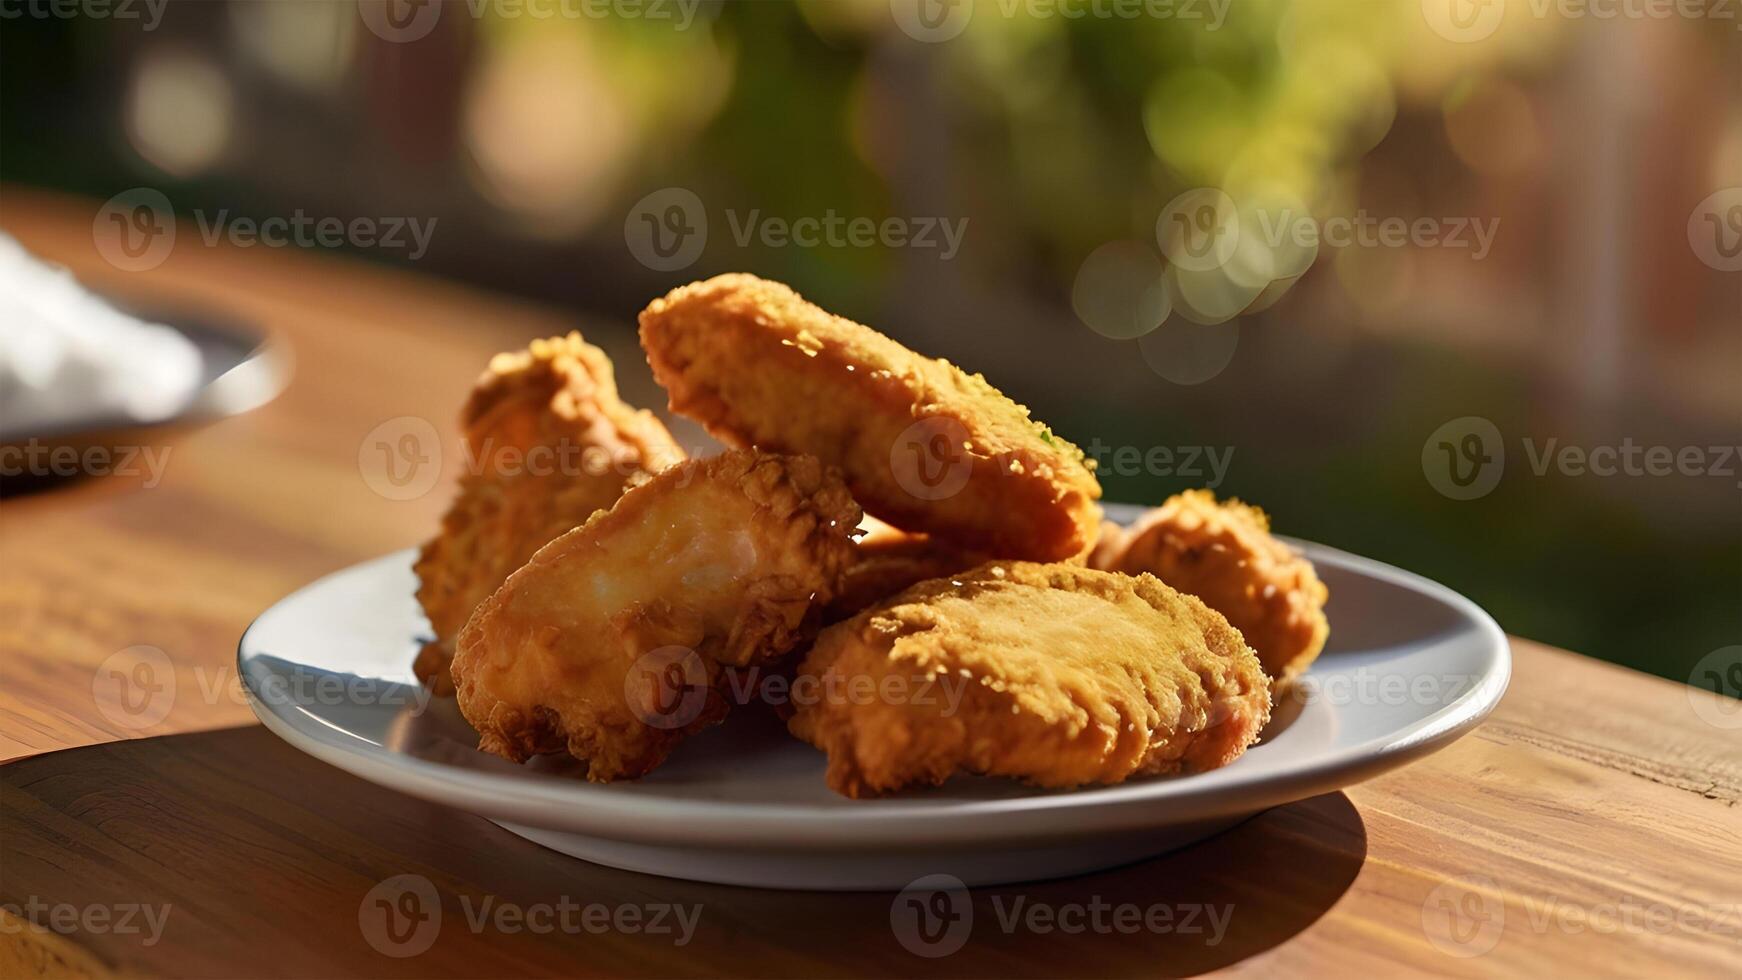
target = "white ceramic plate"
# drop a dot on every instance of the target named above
(1410, 666)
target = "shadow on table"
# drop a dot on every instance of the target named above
(273, 864)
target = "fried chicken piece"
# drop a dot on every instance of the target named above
(923, 445)
(1058, 675)
(549, 443)
(613, 641)
(1225, 555)
(889, 560)
(1107, 547)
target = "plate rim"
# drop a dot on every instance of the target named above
(591, 809)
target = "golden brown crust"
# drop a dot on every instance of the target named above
(713, 564)
(547, 443)
(1225, 555)
(1056, 674)
(923, 444)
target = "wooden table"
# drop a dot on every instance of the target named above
(1591, 826)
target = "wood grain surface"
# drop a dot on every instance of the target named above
(251, 507)
(1591, 827)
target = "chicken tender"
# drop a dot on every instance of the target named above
(549, 443)
(613, 641)
(1225, 555)
(1058, 675)
(924, 445)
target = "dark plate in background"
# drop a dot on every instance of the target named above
(242, 369)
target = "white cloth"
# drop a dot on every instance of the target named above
(69, 360)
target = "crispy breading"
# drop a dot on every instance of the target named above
(612, 641)
(924, 445)
(547, 443)
(1225, 555)
(1057, 674)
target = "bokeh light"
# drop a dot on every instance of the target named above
(1492, 126)
(631, 91)
(1121, 291)
(555, 162)
(308, 43)
(1187, 353)
(180, 111)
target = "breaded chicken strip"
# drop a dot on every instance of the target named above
(548, 443)
(923, 445)
(611, 642)
(1058, 675)
(1224, 554)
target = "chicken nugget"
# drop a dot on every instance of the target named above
(1225, 555)
(1058, 675)
(924, 445)
(612, 642)
(547, 442)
